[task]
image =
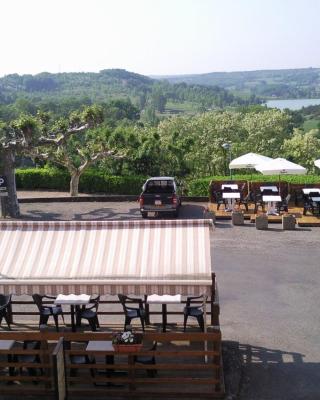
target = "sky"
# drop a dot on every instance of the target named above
(158, 37)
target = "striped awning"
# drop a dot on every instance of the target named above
(106, 257)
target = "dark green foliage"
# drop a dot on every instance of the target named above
(91, 181)
(42, 178)
(285, 83)
(200, 187)
(66, 92)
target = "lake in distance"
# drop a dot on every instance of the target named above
(292, 104)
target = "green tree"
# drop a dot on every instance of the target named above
(303, 148)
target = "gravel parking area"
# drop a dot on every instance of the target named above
(269, 294)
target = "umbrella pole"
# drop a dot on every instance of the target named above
(205, 326)
(279, 186)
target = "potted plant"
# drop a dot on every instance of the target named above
(127, 341)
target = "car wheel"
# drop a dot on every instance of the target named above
(144, 215)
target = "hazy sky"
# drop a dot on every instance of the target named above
(158, 36)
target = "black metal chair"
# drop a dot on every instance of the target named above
(193, 311)
(283, 205)
(132, 312)
(316, 204)
(30, 358)
(258, 202)
(220, 200)
(307, 204)
(246, 200)
(5, 308)
(79, 359)
(47, 310)
(89, 312)
(148, 360)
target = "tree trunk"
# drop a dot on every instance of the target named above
(8, 168)
(74, 184)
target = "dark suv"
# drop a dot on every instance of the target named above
(159, 196)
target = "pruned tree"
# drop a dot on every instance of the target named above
(36, 137)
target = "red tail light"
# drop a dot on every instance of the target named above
(174, 199)
(141, 201)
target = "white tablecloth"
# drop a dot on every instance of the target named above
(164, 299)
(72, 299)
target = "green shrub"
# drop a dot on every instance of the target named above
(200, 187)
(42, 178)
(91, 181)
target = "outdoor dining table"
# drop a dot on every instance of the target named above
(6, 345)
(230, 196)
(164, 300)
(73, 300)
(271, 200)
(272, 188)
(310, 190)
(232, 186)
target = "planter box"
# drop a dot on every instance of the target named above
(127, 348)
(237, 218)
(288, 222)
(262, 222)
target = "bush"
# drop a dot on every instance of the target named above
(200, 187)
(42, 178)
(91, 181)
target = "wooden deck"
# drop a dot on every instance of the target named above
(302, 220)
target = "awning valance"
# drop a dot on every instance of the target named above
(106, 257)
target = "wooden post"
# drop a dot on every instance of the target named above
(213, 296)
(59, 371)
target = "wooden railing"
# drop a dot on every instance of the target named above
(186, 365)
(16, 309)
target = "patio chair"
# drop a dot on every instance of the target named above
(307, 204)
(258, 202)
(89, 312)
(79, 359)
(132, 312)
(220, 200)
(283, 205)
(47, 310)
(316, 204)
(148, 360)
(245, 200)
(193, 311)
(30, 358)
(5, 304)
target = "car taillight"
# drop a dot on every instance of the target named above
(174, 199)
(141, 201)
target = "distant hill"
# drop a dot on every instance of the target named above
(66, 91)
(282, 83)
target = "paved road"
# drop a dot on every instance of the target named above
(269, 293)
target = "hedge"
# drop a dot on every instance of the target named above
(200, 187)
(95, 181)
(91, 181)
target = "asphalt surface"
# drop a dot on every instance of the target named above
(269, 295)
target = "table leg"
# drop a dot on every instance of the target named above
(164, 317)
(109, 372)
(11, 369)
(73, 325)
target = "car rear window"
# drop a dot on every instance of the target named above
(158, 186)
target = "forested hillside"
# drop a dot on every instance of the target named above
(65, 92)
(285, 83)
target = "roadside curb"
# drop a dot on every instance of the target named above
(110, 198)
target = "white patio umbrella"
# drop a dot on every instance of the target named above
(280, 166)
(249, 160)
(317, 163)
